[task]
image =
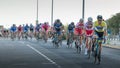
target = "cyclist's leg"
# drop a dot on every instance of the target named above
(99, 55)
(100, 35)
(18, 34)
(69, 36)
(81, 39)
(93, 43)
(46, 34)
(60, 36)
(86, 46)
(77, 42)
(90, 46)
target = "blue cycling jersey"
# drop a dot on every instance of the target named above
(57, 26)
(13, 28)
(37, 28)
(26, 28)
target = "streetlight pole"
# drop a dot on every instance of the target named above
(52, 12)
(37, 13)
(83, 9)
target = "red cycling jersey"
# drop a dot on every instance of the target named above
(45, 26)
(89, 29)
(19, 28)
(79, 28)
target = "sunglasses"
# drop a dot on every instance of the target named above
(99, 20)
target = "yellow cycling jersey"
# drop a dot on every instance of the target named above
(100, 27)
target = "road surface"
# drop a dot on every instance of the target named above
(34, 54)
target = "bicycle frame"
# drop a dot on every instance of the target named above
(70, 39)
(13, 35)
(56, 40)
(97, 49)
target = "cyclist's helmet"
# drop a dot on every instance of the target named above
(26, 24)
(99, 17)
(72, 23)
(14, 25)
(58, 20)
(90, 19)
(81, 20)
(45, 23)
(19, 25)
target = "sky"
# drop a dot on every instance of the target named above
(24, 11)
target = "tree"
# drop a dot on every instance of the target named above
(114, 23)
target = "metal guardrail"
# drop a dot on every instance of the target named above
(113, 41)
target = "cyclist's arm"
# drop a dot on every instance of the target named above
(105, 29)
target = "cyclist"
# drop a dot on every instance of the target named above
(89, 33)
(100, 28)
(31, 30)
(37, 31)
(13, 30)
(19, 31)
(79, 31)
(71, 27)
(45, 28)
(58, 28)
(25, 30)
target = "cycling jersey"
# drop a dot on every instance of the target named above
(89, 29)
(13, 29)
(26, 28)
(100, 27)
(45, 27)
(57, 27)
(20, 28)
(31, 28)
(71, 28)
(37, 28)
(79, 28)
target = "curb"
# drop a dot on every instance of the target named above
(112, 46)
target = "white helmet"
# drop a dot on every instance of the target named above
(90, 19)
(81, 20)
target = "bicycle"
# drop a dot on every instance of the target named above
(89, 43)
(97, 51)
(19, 35)
(31, 34)
(38, 36)
(78, 45)
(25, 35)
(45, 36)
(13, 35)
(70, 40)
(56, 40)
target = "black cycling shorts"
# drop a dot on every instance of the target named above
(100, 34)
(31, 29)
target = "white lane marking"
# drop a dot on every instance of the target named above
(52, 62)
(41, 54)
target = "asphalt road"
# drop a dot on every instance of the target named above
(34, 54)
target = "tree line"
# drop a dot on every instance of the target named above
(113, 24)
